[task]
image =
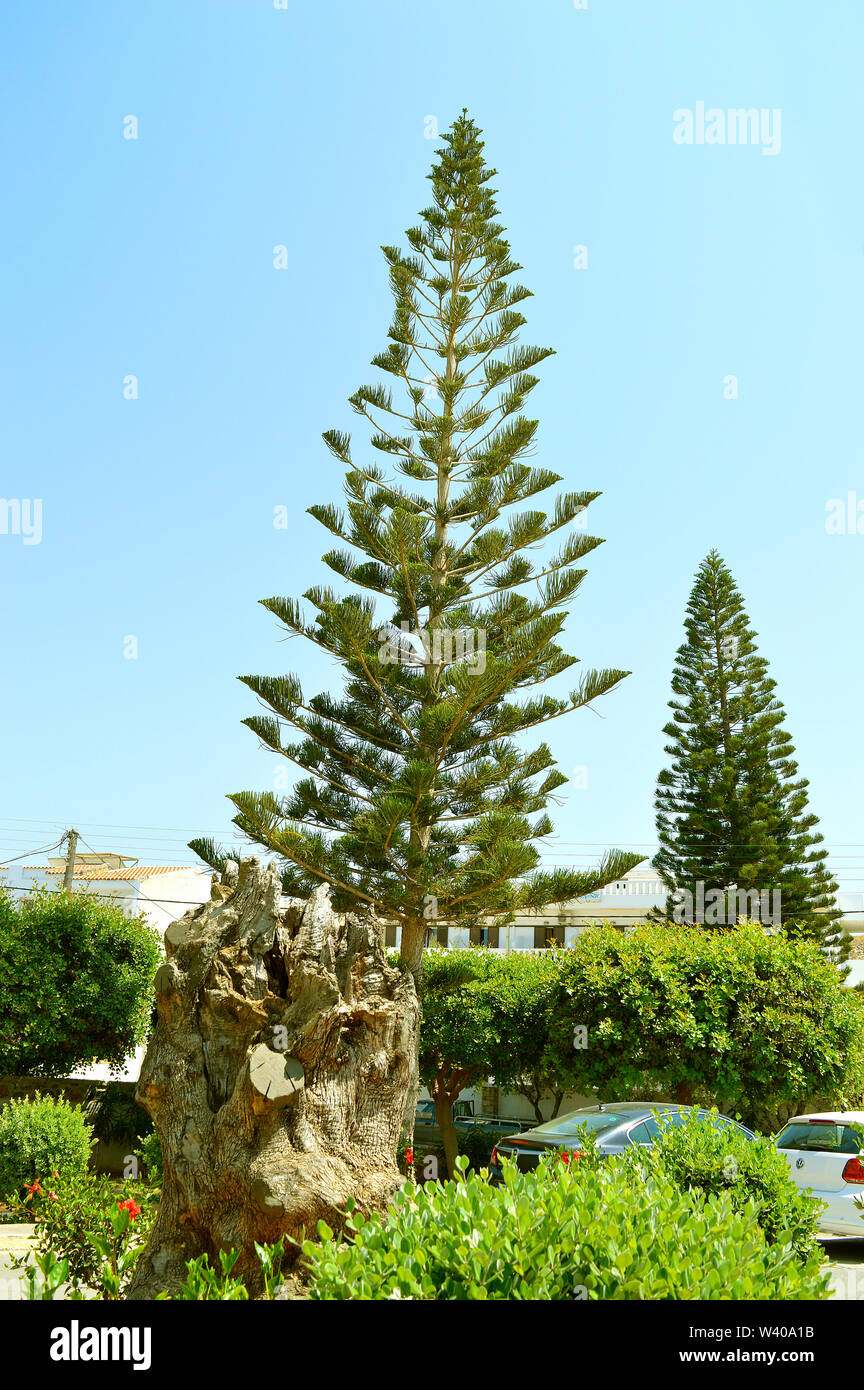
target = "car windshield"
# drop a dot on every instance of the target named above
(823, 1136)
(568, 1124)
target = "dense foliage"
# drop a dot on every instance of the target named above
(76, 983)
(737, 1017)
(484, 1014)
(86, 1235)
(558, 1233)
(731, 809)
(706, 1157)
(41, 1139)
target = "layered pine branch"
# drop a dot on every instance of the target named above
(415, 793)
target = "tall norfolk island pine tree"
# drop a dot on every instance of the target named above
(281, 1074)
(731, 809)
(417, 801)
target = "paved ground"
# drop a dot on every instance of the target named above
(14, 1240)
(845, 1252)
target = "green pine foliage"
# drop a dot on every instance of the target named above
(415, 796)
(731, 808)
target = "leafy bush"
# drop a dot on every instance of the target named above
(150, 1158)
(39, 1138)
(85, 1227)
(701, 1156)
(560, 1232)
(76, 983)
(734, 1016)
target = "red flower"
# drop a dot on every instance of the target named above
(35, 1188)
(564, 1156)
(131, 1206)
(409, 1155)
(52, 1196)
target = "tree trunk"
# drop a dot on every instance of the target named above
(277, 1076)
(684, 1093)
(444, 1117)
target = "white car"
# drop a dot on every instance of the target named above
(826, 1156)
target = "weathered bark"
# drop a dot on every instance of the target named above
(277, 1076)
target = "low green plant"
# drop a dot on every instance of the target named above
(83, 1222)
(45, 1277)
(149, 1157)
(38, 1137)
(704, 1156)
(203, 1283)
(566, 1230)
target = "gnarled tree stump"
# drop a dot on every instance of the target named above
(278, 1075)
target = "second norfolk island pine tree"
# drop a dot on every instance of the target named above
(731, 809)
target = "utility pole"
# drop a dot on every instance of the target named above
(71, 836)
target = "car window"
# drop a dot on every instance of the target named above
(568, 1124)
(821, 1136)
(639, 1134)
(648, 1130)
(721, 1121)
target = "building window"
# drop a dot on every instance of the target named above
(484, 936)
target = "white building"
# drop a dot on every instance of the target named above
(160, 892)
(627, 900)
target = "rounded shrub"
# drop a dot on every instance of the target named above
(707, 1157)
(39, 1138)
(563, 1231)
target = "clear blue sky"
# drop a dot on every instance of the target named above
(305, 127)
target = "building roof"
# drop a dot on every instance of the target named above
(129, 874)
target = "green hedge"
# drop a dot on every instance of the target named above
(39, 1138)
(559, 1232)
(76, 983)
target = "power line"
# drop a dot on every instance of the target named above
(46, 849)
(180, 902)
(193, 830)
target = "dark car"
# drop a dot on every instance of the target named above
(615, 1128)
